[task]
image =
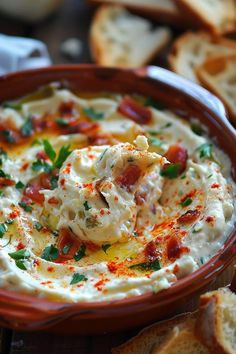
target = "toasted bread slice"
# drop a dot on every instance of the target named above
(218, 16)
(118, 38)
(182, 341)
(161, 10)
(216, 322)
(152, 337)
(218, 74)
(191, 49)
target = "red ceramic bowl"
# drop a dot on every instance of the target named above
(24, 312)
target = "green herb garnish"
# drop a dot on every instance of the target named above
(39, 165)
(205, 151)
(38, 226)
(57, 160)
(53, 182)
(92, 114)
(8, 136)
(3, 229)
(25, 206)
(19, 185)
(80, 254)
(105, 247)
(9, 221)
(186, 202)
(155, 265)
(62, 122)
(78, 278)
(27, 127)
(155, 142)
(86, 205)
(197, 129)
(66, 249)
(155, 104)
(21, 254)
(50, 152)
(50, 253)
(171, 171)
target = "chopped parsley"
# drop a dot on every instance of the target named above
(209, 176)
(19, 185)
(78, 278)
(80, 254)
(27, 127)
(57, 160)
(205, 151)
(155, 142)
(86, 205)
(38, 226)
(13, 105)
(39, 165)
(155, 265)
(155, 104)
(50, 152)
(102, 154)
(25, 206)
(105, 247)
(20, 257)
(36, 142)
(92, 114)
(186, 202)
(8, 136)
(171, 171)
(9, 221)
(55, 233)
(53, 182)
(3, 229)
(50, 253)
(62, 122)
(197, 129)
(3, 153)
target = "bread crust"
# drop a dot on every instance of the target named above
(181, 43)
(215, 64)
(154, 12)
(202, 20)
(97, 46)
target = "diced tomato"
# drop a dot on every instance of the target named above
(6, 182)
(87, 128)
(177, 154)
(151, 252)
(32, 192)
(66, 108)
(67, 239)
(134, 111)
(41, 155)
(175, 248)
(189, 217)
(129, 177)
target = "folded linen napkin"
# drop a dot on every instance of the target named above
(18, 53)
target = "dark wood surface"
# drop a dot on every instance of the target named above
(71, 20)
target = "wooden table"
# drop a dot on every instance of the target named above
(72, 20)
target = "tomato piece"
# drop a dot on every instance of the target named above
(6, 182)
(134, 111)
(177, 154)
(66, 108)
(86, 128)
(68, 240)
(32, 192)
(151, 252)
(175, 248)
(129, 177)
(189, 217)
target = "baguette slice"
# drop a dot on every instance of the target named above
(153, 336)
(118, 38)
(191, 49)
(218, 16)
(182, 341)
(161, 10)
(218, 74)
(216, 322)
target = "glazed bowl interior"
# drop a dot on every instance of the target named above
(187, 100)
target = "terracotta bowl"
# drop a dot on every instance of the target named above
(24, 312)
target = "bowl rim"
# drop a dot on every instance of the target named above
(195, 280)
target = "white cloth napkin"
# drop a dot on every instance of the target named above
(18, 53)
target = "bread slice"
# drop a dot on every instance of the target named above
(153, 336)
(161, 10)
(218, 16)
(118, 38)
(182, 341)
(218, 74)
(191, 49)
(216, 321)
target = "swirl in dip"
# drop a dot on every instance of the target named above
(106, 197)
